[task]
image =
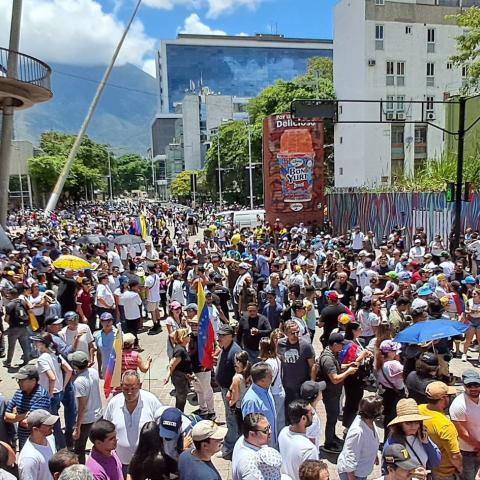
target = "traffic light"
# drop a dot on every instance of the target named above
(450, 193)
(467, 192)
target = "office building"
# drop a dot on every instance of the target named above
(398, 51)
(231, 65)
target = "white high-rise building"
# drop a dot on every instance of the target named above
(398, 51)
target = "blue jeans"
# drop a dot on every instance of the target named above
(232, 433)
(471, 464)
(70, 412)
(252, 356)
(279, 400)
(344, 476)
(57, 428)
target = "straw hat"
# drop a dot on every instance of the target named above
(407, 411)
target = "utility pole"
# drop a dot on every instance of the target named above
(219, 171)
(250, 166)
(6, 135)
(110, 185)
(458, 187)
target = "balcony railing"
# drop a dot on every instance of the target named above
(28, 69)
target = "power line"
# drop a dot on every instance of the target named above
(107, 83)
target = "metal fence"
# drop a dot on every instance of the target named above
(28, 69)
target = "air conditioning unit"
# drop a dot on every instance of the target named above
(400, 116)
(390, 116)
(430, 115)
(372, 62)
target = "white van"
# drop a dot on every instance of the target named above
(243, 219)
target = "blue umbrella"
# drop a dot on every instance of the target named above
(424, 332)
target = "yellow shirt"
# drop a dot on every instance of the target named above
(444, 434)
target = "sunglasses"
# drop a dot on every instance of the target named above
(295, 333)
(473, 385)
(266, 430)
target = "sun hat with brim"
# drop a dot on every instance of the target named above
(469, 280)
(407, 411)
(206, 429)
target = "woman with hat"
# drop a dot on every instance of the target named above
(174, 321)
(390, 377)
(131, 359)
(407, 429)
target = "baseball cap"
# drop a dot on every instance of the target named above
(206, 429)
(396, 454)
(404, 275)
(470, 376)
(225, 330)
(27, 371)
(419, 304)
(175, 305)
(437, 390)
(390, 346)
(310, 389)
(444, 254)
(78, 359)
(244, 265)
(469, 280)
(424, 291)
(332, 295)
(170, 423)
(54, 320)
(106, 316)
(41, 417)
(429, 358)
(192, 306)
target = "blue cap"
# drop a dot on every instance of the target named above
(404, 275)
(424, 291)
(469, 280)
(124, 280)
(170, 423)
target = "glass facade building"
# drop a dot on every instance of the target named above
(238, 66)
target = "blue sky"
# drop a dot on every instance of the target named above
(292, 18)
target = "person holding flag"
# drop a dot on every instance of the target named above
(113, 372)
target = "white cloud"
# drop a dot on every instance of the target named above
(221, 7)
(193, 24)
(75, 32)
(171, 4)
(149, 66)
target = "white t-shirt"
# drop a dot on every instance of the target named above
(314, 431)
(243, 459)
(131, 302)
(152, 283)
(114, 260)
(128, 425)
(276, 365)
(35, 301)
(104, 292)
(295, 448)
(465, 410)
(87, 384)
(68, 337)
(50, 361)
(33, 460)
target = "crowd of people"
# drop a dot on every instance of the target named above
(304, 319)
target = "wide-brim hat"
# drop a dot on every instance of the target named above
(407, 411)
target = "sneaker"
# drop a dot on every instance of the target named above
(473, 348)
(464, 357)
(7, 365)
(332, 447)
(156, 329)
(225, 455)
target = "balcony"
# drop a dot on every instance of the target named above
(30, 82)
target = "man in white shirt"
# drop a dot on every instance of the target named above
(114, 260)
(129, 412)
(152, 285)
(131, 302)
(149, 253)
(357, 239)
(294, 445)
(89, 403)
(256, 434)
(78, 335)
(417, 252)
(39, 448)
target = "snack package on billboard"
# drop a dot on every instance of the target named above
(296, 158)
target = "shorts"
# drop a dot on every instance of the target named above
(152, 306)
(475, 322)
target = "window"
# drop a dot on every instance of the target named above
(398, 134)
(378, 37)
(430, 40)
(379, 2)
(340, 171)
(395, 104)
(429, 104)
(420, 134)
(449, 65)
(408, 30)
(400, 74)
(389, 104)
(464, 71)
(430, 74)
(400, 103)
(390, 73)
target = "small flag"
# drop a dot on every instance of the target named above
(206, 332)
(143, 227)
(113, 372)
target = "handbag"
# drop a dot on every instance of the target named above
(33, 321)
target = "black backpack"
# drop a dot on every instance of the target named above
(21, 314)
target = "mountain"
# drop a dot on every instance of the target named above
(123, 116)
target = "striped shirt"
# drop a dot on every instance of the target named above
(26, 403)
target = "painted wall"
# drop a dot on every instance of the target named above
(380, 212)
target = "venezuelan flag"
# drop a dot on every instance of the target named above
(206, 333)
(113, 372)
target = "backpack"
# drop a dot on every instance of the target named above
(21, 314)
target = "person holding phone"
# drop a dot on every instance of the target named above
(408, 430)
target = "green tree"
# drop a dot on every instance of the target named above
(468, 46)
(127, 172)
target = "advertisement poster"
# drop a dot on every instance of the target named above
(293, 164)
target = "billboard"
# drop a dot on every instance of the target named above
(293, 169)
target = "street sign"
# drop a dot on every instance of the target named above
(326, 109)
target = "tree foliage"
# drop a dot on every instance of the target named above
(233, 136)
(128, 170)
(181, 186)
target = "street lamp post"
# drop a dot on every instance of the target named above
(220, 199)
(110, 185)
(250, 166)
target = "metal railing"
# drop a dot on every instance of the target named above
(28, 69)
